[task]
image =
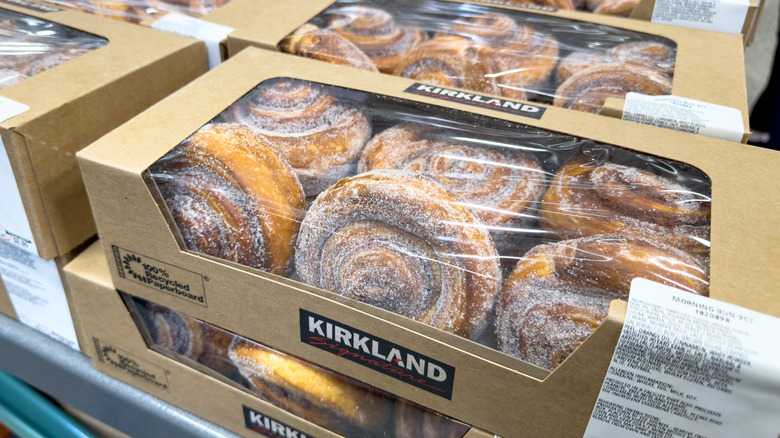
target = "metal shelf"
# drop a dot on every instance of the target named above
(69, 376)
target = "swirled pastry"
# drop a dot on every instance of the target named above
(452, 61)
(529, 56)
(566, 5)
(414, 421)
(499, 184)
(588, 89)
(312, 42)
(325, 398)
(559, 293)
(232, 196)
(587, 198)
(316, 133)
(376, 33)
(404, 243)
(653, 55)
(576, 62)
(181, 334)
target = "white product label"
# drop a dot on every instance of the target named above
(14, 226)
(716, 15)
(35, 288)
(210, 33)
(686, 115)
(690, 366)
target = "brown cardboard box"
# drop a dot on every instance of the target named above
(112, 340)
(693, 72)
(73, 105)
(147, 259)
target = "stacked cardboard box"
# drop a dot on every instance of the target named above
(151, 254)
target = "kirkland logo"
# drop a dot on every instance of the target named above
(267, 426)
(478, 100)
(377, 353)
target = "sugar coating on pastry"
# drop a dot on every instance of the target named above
(376, 33)
(559, 293)
(587, 90)
(447, 259)
(233, 197)
(456, 62)
(312, 42)
(306, 389)
(588, 198)
(651, 54)
(498, 183)
(318, 135)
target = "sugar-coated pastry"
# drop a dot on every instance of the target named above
(587, 197)
(529, 56)
(315, 394)
(312, 42)
(559, 293)
(622, 8)
(566, 5)
(454, 62)
(402, 242)
(316, 133)
(181, 334)
(577, 61)
(587, 90)
(376, 33)
(232, 196)
(498, 183)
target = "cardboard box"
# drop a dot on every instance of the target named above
(148, 256)
(114, 343)
(574, 31)
(72, 105)
(6, 307)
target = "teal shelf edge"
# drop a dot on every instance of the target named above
(69, 376)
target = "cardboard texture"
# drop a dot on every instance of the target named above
(693, 76)
(77, 102)
(6, 307)
(267, 308)
(116, 347)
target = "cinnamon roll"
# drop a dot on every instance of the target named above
(312, 42)
(498, 183)
(576, 62)
(181, 334)
(325, 398)
(402, 242)
(455, 62)
(529, 56)
(588, 89)
(586, 198)
(559, 293)
(566, 5)
(316, 133)
(650, 54)
(621, 8)
(216, 186)
(376, 33)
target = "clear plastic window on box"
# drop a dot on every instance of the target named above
(136, 11)
(29, 46)
(512, 236)
(338, 403)
(511, 53)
